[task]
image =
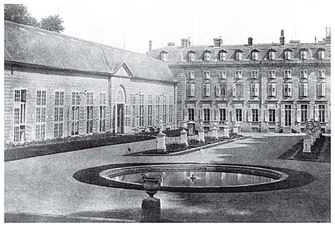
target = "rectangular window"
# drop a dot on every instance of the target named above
(254, 74)
(254, 55)
(223, 89)
(304, 114)
(254, 89)
(191, 75)
(271, 74)
(287, 74)
(222, 74)
(75, 113)
(102, 118)
(170, 113)
(303, 55)
(303, 74)
(321, 89)
(321, 74)
(223, 56)
(207, 116)
(41, 115)
(287, 89)
(222, 114)
(238, 74)
(59, 114)
(287, 55)
(321, 54)
(191, 90)
(239, 90)
(288, 115)
(207, 90)
(322, 113)
(19, 115)
(254, 114)
(238, 56)
(149, 115)
(272, 89)
(272, 115)
(238, 114)
(271, 55)
(207, 74)
(303, 89)
(102, 112)
(89, 119)
(191, 114)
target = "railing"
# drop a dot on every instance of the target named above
(170, 140)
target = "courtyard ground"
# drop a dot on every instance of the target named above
(43, 189)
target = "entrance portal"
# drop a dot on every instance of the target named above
(119, 111)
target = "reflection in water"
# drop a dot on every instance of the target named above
(188, 178)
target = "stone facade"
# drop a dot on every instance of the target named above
(262, 87)
(58, 86)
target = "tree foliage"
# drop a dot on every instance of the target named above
(52, 23)
(19, 13)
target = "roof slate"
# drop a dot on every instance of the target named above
(32, 45)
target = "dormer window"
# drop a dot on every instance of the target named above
(238, 55)
(164, 55)
(287, 54)
(207, 55)
(222, 55)
(222, 74)
(272, 54)
(303, 74)
(207, 74)
(191, 56)
(254, 54)
(303, 54)
(321, 53)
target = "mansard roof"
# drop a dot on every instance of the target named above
(31, 45)
(179, 54)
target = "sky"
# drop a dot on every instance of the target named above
(130, 24)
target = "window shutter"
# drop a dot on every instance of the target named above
(234, 90)
(298, 113)
(188, 90)
(217, 114)
(301, 90)
(195, 114)
(305, 89)
(282, 119)
(323, 89)
(308, 112)
(208, 90)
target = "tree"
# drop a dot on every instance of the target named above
(52, 23)
(18, 13)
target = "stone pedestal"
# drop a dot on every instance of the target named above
(307, 144)
(160, 142)
(215, 133)
(183, 137)
(226, 131)
(151, 210)
(236, 129)
(201, 135)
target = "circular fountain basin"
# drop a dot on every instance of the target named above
(178, 177)
(195, 177)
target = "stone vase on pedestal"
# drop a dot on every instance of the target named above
(151, 206)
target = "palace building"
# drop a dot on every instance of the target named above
(274, 87)
(58, 86)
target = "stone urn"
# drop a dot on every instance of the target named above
(151, 184)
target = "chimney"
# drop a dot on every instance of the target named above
(217, 42)
(185, 42)
(171, 44)
(250, 41)
(282, 38)
(150, 45)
